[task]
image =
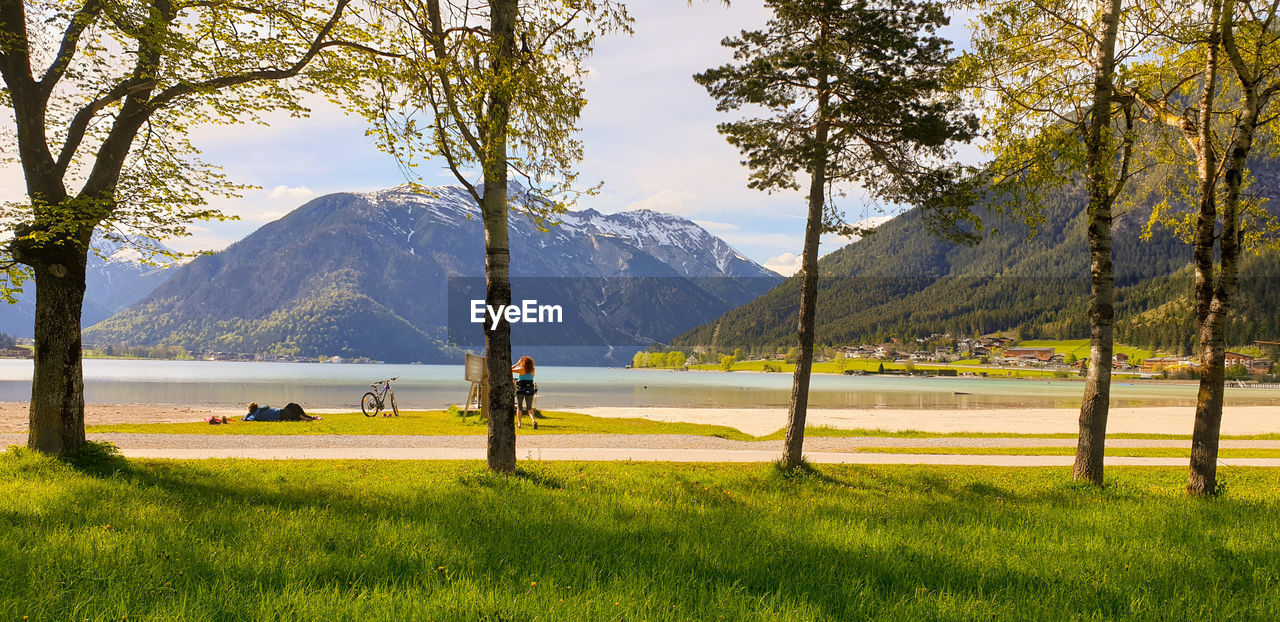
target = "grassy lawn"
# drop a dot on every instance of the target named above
(430, 423)
(1136, 452)
(262, 540)
(441, 423)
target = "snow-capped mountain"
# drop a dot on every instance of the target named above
(365, 274)
(679, 243)
(121, 273)
(116, 277)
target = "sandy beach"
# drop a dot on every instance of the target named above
(760, 421)
(14, 415)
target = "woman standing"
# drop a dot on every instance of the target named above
(525, 390)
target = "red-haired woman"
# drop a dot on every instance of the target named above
(525, 390)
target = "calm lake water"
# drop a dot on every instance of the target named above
(317, 385)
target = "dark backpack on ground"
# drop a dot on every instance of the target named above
(292, 412)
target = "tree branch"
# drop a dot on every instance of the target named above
(70, 42)
(80, 122)
(319, 43)
(437, 42)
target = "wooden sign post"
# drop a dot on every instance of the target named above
(474, 371)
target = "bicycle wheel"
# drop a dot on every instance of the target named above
(394, 408)
(370, 405)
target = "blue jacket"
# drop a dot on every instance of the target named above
(265, 413)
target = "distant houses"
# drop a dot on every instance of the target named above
(1043, 355)
(1253, 364)
(1003, 351)
(1157, 364)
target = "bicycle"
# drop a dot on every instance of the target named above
(374, 401)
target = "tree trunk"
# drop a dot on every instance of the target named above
(1203, 479)
(1206, 173)
(497, 265)
(57, 386)
(793, 451)
(1091, 444)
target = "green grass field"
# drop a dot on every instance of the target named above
(430, 423)
(264, 540)
(441, 423)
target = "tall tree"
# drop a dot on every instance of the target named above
(856, 96)
(102, 93)
(495, 84)
(1225, 56)
(1048, 69)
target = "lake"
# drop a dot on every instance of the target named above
(324, 385)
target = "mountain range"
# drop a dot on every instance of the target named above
(116, 277)
(367, 275)
(903, 282)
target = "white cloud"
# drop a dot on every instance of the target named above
(785, 264)
(669, 201)
(262, 206)
(301, 193)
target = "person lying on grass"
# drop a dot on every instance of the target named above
(291, 412)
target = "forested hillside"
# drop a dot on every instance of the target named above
(902, 281)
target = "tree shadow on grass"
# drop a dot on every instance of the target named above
(717, 541)
(99, 459)
(489, 479)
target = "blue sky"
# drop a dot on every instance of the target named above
(649, 132)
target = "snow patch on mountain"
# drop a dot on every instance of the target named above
(674, 240)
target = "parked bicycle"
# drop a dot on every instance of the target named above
(375, 401)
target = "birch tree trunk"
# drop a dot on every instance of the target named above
(1213, 296)
(1091, 443)
(497, 266)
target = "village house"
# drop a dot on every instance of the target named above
(1043, 355)
(1157, 364)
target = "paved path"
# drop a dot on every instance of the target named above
(652, 455)
(624, 441)
(638, 447)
